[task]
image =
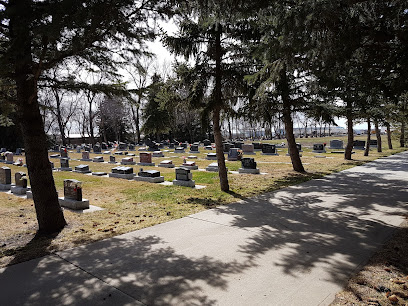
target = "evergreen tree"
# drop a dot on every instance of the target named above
(39, 35)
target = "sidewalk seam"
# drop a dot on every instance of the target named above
(93, 275)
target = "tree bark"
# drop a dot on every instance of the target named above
(49, 213)
(350, 132)
(287, 119)
(222, 170)
(402, 136)
(378, 134)
(367, 148)
(389, 135)
(59, 117)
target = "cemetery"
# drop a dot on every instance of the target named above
(129, 193)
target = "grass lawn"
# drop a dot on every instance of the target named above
(131, 205)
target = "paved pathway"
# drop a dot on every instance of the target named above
(296, 246)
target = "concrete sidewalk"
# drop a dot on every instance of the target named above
(296, 246)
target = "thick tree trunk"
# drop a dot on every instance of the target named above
(389, 135)
(287, 119)
(49, 213)
(378, 134)
(222, 170)
(350, 132)
(402, 136)
(367, 148)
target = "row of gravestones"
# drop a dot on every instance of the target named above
(72, 189)
(20, 180)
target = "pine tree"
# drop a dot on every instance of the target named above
(39, 35)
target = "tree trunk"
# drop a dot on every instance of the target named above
(229, 129)
(378, 134)
(91, 132)
(402, 137)
(59, 117)
(389, 135)
(287, 119)
(350, 132)
(222, 170)
(367, 148)
(49, 213)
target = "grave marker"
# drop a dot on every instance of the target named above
(73, 196)
(5, 178)
(184, 178)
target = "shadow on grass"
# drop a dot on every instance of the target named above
(37, 247)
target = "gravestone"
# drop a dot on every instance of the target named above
(319, 148)
(191, 165)
(87, 148)
(336, 144)
(2, 157)
(97, 149)
(373, 143)
(213, 167)
(226, 147)
(184, 145)
(208, 147)
(122, 172)
(359, 144)
(166, 164)
(151, 176)
(238, 144)
(122, 146)
(268, 149)
(211, 156)
(104, 146)
(161, 145)
(234, 154)
(5, 178)
(112, 159)
(54, 156)
(248, 149)
(257, 146)
(194, 149)
(184, 177)
(82, 169)
(85, 156)
(98, 159)
(64, 152)
(248, 166)
(131, 147)
(158, 154)
(20, 186)
(9, 158)
(18, 151)
(78, 150)
(145, 159)
(64, 165)
(206, 142)
(179, 150)
(153, 147)
(119, 153)
(52, 165)
(128, 161)
(2, 150)
(73, 196)
(171, 145)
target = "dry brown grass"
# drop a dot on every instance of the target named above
(384, 279)
(131, 205)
